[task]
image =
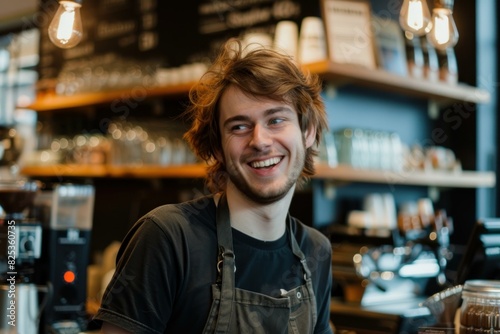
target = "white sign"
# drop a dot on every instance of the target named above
(349, 32)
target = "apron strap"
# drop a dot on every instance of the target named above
(226, 255)
(297, 251)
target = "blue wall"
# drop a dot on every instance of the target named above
(376, 110)
(487, 61)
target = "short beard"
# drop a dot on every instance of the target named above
(267, 197)
(259, 197)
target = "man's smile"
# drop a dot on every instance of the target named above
(265, 163)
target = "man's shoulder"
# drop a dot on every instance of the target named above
(309, 235)
(200, 208)
(178, 217)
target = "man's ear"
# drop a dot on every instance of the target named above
(310, 136)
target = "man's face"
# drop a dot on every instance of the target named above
(263, 146)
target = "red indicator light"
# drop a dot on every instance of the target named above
(69, 276)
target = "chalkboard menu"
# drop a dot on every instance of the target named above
(162, 33)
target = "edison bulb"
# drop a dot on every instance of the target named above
(65, 30)
(444, 32)
(415, 17)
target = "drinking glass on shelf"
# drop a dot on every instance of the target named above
(361, 153)
(255, 40)
(312, 40)
(286, 38)
(396, 152)
(165, 148)
(372, 151)
(344, 143)
(327, 150)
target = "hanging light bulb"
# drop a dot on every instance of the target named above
(444, 33)
(65, 30)
(415, 17)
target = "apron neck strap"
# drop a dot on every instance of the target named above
(224, 232)
(225, 266)
(225, 261)
(296, 249)
(225, 240)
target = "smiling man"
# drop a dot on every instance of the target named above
(262, 144)
(234, 261)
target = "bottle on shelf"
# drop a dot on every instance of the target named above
(431, 62)
(448, 68)
(415, 57)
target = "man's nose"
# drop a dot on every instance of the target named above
(261, 138)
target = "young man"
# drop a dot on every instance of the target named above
(234, 261)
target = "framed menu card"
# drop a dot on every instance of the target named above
(349, 32)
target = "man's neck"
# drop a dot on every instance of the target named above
(265, 222)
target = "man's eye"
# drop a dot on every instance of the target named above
(239, 127)
(276, 121)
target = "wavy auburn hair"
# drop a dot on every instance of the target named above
(258, 72)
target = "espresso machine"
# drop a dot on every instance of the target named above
(382, 276)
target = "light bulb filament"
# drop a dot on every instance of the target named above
(441, 29)
(444, 33)
(415, 15)
(65, 28)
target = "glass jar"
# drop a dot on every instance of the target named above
(480, 311)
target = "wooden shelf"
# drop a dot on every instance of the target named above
(341, 74)
(464, 179)
(64, 170)
(177, 171)
(139, 93)
(337, 74)
(153, 171)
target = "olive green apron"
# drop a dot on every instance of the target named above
(235, 310)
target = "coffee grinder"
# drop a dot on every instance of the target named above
(20, 243)
(44, 249)
(66, 213)
(21, 236)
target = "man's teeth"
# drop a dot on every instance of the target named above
(265, 163)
